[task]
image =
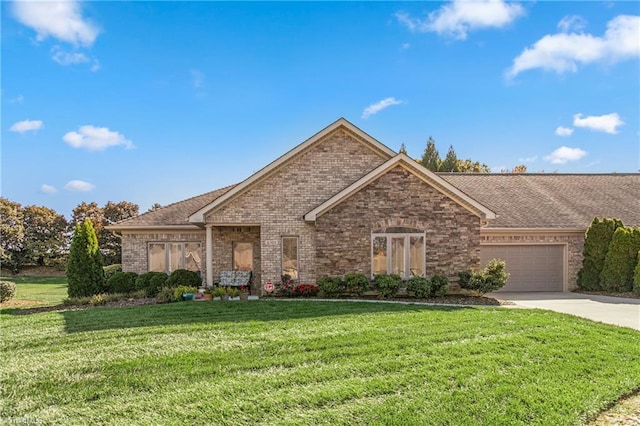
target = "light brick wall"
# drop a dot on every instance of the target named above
(397, 198)
(279, 201)
(575, 244)
(135, 245)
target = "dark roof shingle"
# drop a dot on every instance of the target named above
(552, 200)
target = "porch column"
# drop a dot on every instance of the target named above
(209, 255)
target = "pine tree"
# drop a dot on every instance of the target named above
(431, 157)
(403, 149)
(450, 162)
(85, 276)
(596, 245)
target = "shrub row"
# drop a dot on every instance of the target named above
(387, 285)
(610, 257)
(351, 285)
(150, 282)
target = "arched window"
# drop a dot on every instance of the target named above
(398, 250)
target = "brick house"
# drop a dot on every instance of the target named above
(343, 202)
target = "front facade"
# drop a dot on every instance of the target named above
(342, 202)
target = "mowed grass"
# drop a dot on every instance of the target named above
(38, 291)
(305, 362)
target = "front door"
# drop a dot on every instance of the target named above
(242, 256)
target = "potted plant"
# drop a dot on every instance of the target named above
(208, 293)
(233, 294)
(244, 292)
(219, 293)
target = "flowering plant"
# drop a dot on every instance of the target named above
(285, 287)
(305, 290)
(244, 289)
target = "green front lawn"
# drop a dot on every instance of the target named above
(39, 291)
(304, 362)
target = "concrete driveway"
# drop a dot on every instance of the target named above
(610, 310)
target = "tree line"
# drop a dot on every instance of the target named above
(432, 160)
(38, 235)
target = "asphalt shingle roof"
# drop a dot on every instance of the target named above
(176, 213)
(520, 200)
(553, 200)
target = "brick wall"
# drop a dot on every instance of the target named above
(134, 247)
(398, 198)
(278, 202)
(575, 244)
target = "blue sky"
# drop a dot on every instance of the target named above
(159, 101)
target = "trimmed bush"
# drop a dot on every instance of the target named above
(493, 277)
(356, 284)
(387, 285)
(122, 282)
(85, 276)
(7, 291)
(185, 278)
(439, 285)
(419, 287)
(596, 246)
(636, 275)
(620, 261)
(111, 269)
(151, 282)
(330, 286)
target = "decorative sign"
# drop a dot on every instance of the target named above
(268, 287)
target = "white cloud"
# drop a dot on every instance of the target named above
(571, 23)
(48, 189)
(96, 138)
(61, 20)
(405, 46)
(457, 18)
(564, 154)
(607, 123)
(563, 52)
(379, 106)
(79, 186)
(528, 159)
(27, 126)
(68, 58)
(564, 131)
(17, 100)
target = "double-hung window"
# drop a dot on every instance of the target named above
(398, 251)
(167, 257)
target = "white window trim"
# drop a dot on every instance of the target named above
(166, 253)
(407, 255)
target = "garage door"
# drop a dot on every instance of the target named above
(532, 268)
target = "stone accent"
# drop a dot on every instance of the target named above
(575, 244)
(135, 247)
(398, 198)
(278, 202)
(223, 239)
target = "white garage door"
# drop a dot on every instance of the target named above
(532, 268)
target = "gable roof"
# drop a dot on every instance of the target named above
(174, 215)
(416, 169)
(553, 200)
(198, 216)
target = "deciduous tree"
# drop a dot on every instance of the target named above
(45, 235)
(11, 233)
